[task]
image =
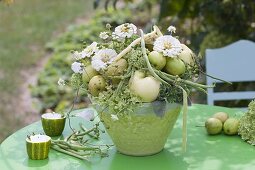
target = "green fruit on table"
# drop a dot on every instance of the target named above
(117, 68)
(88, 73)
(96, 85)
(38, 146)
(186, 55)
(174, 66)
(53, 124)
(147, 88)
(231, 126)
(213, 126)
(222, 116)
(157, 60)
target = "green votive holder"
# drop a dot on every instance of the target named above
(53, 124)
(38, 146)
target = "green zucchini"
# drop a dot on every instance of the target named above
(38, 146)
(53, 124)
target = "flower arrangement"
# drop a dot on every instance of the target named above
(128, 69)
(130, 72)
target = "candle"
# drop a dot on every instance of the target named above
(53, 123)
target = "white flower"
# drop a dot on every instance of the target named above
(168, 45)
(102, 58)
(77, 67)
(114, 117)
(124, 31)
(98, 64)
(103, 35)
(171, 29)
(61, 82)
(87, 114)
(77, 56)
(89, 50)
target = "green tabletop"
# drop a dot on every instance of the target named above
(203, 152)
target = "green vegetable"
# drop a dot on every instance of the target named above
(117, 68)
(38, 149)
(213, 126)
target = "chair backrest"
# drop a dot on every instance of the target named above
(233, 63)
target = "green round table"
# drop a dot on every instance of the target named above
(204, 152)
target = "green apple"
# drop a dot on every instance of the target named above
(96, 85)
(117, 68)
(187, 56)
(174, 66)
(88, 73)
(157, 60)
(147, 88)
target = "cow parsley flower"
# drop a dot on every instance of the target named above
(171, 29)
(114, 117)
(103, 58)
(77, 56)
(104, 35)
(89, 50)
(77, 67)
(124, 31)
(168, 45)
(61, 82)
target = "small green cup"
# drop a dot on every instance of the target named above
(38, 146)
(53, 124)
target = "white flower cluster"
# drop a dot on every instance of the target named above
(167, 45)
(104, 35)
(171, 29)
(103, 58)
(124, 31)
(87, 52)
(77, 67)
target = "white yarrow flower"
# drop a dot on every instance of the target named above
(89, 50)
(103, 58)
(171, 29)
(124, 31)
(87, 114)
(114, 117)
(98, 64)
(61, 82)
(103, 35)
(167, 45)
(77, 67)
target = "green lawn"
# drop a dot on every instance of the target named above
(25, 27)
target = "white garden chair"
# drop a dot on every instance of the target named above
(233, 63)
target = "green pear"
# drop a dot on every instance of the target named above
(96, 85)
(222, 116)
(88, 73)
(117, 68)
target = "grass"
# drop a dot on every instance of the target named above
(25, 27)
